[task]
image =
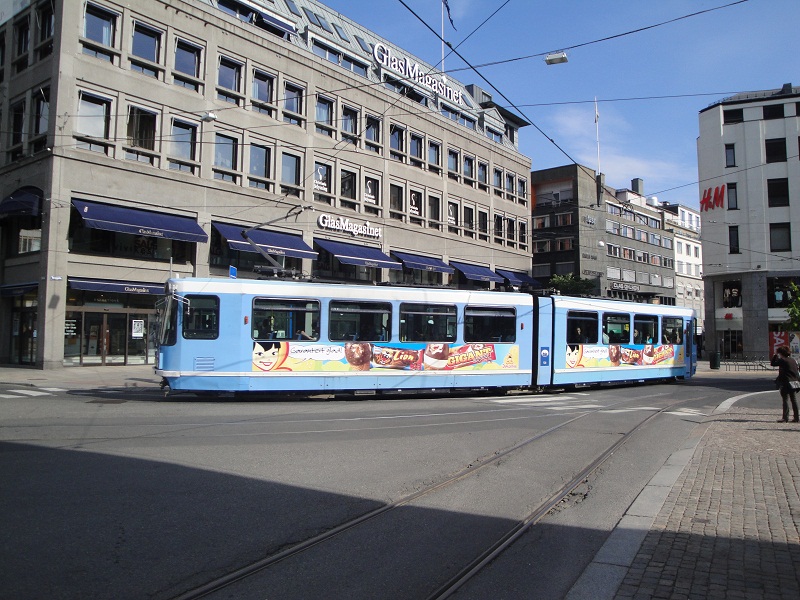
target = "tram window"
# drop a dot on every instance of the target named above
(671, 330)
(201, 317)
(485, 324)
(427, 323)
(645, 329)
(168, 316)
(582, 327)
(616, 328)
(282, 319)
(366, 321)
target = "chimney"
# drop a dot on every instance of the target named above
(637, 186)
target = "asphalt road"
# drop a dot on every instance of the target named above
(121, 494)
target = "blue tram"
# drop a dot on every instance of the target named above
(228, 335)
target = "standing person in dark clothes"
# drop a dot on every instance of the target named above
(787, 372)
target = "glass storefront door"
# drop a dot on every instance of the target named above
(109, 338)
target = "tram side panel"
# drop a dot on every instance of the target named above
(603, 340)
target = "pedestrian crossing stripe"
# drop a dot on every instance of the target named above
(30, 392)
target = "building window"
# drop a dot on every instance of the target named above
(780, 237)
(397, 142)
(93, 122)
(146, 45)
(483, 225)
(22, 42)
(498, 229)
(523, 235)
(47, 26)
(483, 176)
(322, 183)
(733, 239)
(452, 164)
(434, 212)
(469, 221)
(348, 185)
(372, 191)
(415, 150)
(290, 174)
(17, 123)
(735, 115)
(324, 116)
(41, 118)
(469, 168)
(434, 157)
(262, 93)
(778, 192)
(141, 134)
(260, 166)
(773, 111)
(187, 65)
(293, 104)
(350, 125)
(99, 32)
(730, 155)
(226, 159)
(733, 199)
(183, 144)
(493, 135)
(229, 81)
(452, 217)
(396, 202)
(372, 134)
(775, 150)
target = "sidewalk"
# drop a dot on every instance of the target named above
(72, 378)
(720, 519)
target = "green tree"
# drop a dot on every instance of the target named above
(794, 308)
(571, 285)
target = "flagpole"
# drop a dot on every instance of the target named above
(442, 65)
(597, 132)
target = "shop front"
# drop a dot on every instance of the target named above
(110, 323)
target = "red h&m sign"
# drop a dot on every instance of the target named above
(717, 201)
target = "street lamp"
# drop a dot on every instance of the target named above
(556, 58)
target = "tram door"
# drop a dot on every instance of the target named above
(104, 338)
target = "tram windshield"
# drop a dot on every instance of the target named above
(168, 322)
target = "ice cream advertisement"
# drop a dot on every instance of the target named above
(615, 355)
(365, 356)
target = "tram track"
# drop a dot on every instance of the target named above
(490, 552)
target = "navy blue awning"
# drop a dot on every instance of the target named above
(273, 242)
(424, 263)
(17, 289)
(477, 273)
(24, 201)
(363, 256)
(139, 222)
(517, 278)
(119, 287)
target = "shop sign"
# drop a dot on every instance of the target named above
(627, 287)
(413, 72)
(345, 225)
(592, 273)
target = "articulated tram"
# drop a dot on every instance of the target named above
(275, 336)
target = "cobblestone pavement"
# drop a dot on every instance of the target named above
(730, 527)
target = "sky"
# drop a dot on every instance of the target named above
(649, 85)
